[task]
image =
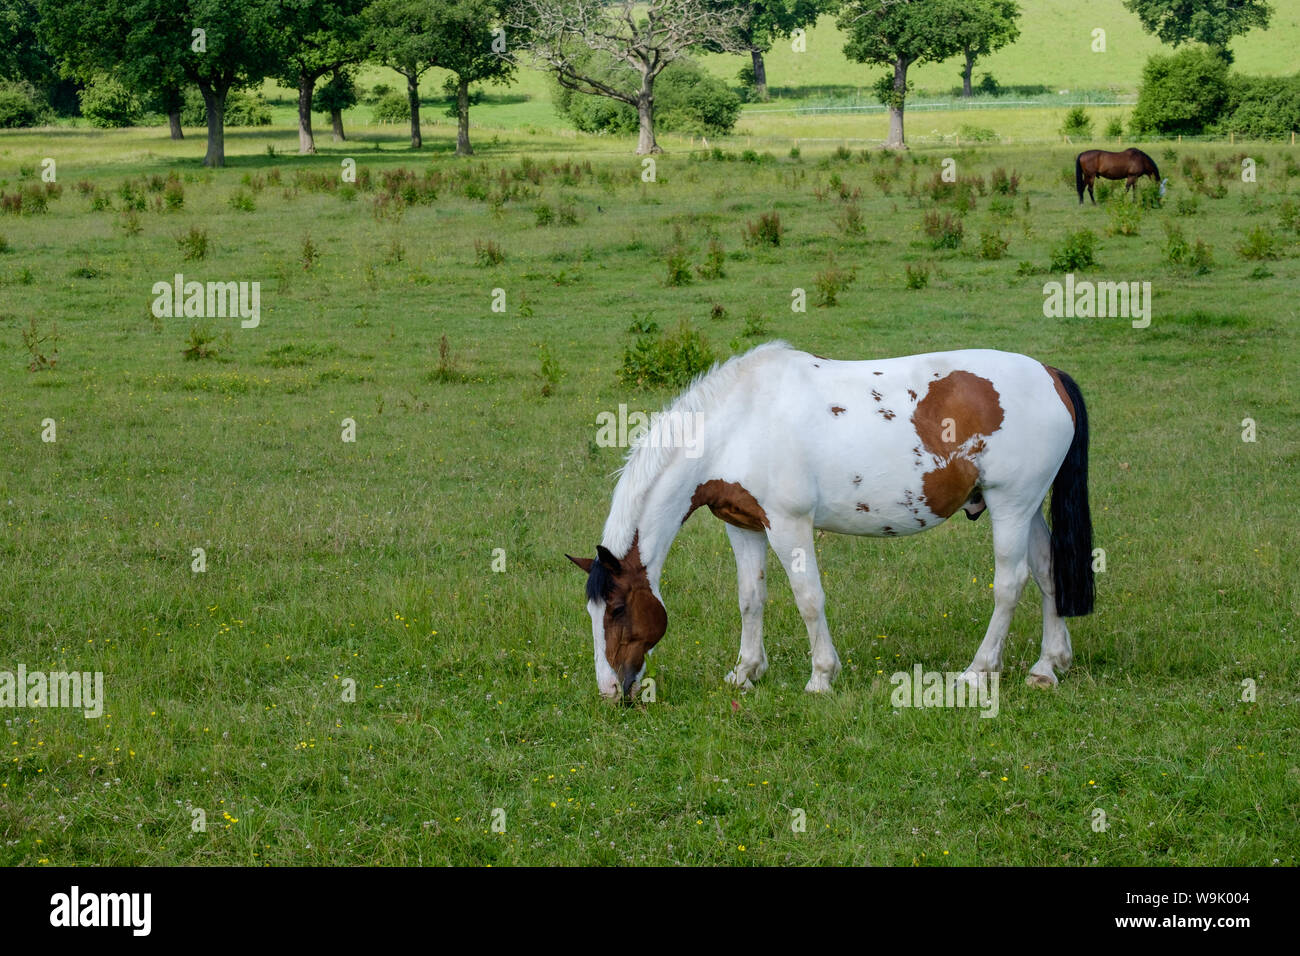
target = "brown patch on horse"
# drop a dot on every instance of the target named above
(731, 503)
(969, 400)
(1060, 389)
(973, 408)
(857, 479)
(911, 394)
(837, 410)
(888, 413)
(876, 395)
(862, 506)
(948, 487)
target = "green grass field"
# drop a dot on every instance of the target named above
(371, 561)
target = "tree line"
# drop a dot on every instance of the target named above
(608, 48)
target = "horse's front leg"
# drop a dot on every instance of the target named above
(792, 540)
(751, 585)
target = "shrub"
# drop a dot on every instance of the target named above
(392, 108)
(673, 359)
(679, 268)
(242, 201)
(1004, 183)
(992, 246)
(1260, 107)
(174, 194)
(1125, 217)
(544, 214)
(976, 134)
(755, 326)
(1181, 93)
(1115, 127)
(21, 105)
(549, 372)
(1259, 243)
(1186, 205)
(1194, 257)
(944, 233)
(687, 100)
(831, 282)
(1077, 123)
(108, 103)
(488, 253)
(193, 244)
(917, 277)
(42, 347)
(850, 219)
(1077, 251)
(200, 344)
(247, 109)
(310, 254)
(714, 262)
(766, 232)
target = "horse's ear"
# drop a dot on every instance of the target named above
(608, 560)
(584, 563)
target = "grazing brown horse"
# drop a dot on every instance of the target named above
(1130, 165)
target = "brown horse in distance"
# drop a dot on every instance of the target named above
(1130, 165)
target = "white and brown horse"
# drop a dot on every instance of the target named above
(792, 443)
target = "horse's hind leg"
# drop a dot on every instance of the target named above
(792, 540)
(751, 579)
(1056, 636)
(1090, 192)
(1011, 571)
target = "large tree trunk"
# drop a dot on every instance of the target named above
(760, 75)
(214, 99)
(336, 120)
(174, 121)
(462, 118)
(645, 114)
(896, 107)
(966, 73)
(306, 141)
(413, 98)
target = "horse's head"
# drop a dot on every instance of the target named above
(627, 618)
(1163, 184)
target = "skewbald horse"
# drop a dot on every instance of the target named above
(1130, 165)
(792, 443)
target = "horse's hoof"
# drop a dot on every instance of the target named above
(743, 683)
(1045, 681)
(818, 685)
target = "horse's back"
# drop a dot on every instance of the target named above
(859, 442)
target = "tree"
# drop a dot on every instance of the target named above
(470, 42)
(558, 31)
(403, 36)
(898, 33)
(1181, 94)
(1212, 22)
(985, 27)
(317, 37)
(339, 94)
(154, 45)
(767, 21)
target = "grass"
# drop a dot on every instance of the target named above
(372, 560)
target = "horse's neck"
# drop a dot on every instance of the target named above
(651, 512)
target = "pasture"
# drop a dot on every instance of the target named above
(372, 560)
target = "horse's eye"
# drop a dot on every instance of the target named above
(618, 611)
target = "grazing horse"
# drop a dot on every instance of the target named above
(789, 443)
(1130, 165)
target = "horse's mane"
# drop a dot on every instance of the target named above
(655, 450)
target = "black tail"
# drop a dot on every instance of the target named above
(1078, 176)
(1071, 520)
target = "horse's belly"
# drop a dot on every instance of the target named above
(884, 518)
